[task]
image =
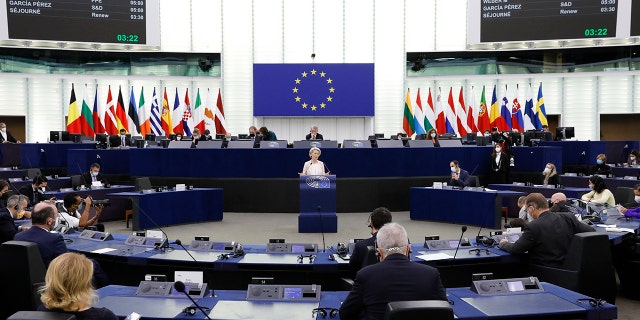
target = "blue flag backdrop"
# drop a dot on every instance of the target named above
(316, 90)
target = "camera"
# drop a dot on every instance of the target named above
(104, 203)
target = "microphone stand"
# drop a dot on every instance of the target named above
(179, 286)
(464, 229)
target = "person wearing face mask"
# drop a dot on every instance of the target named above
(550, 175)
(43, 219)
(35, 191)
(633, 160)
(94, 175)
(633, 212)
(8, 229)
(599, 192)
(5, 136)
(601, 166)
(459, 177)
(433, 136)
(499, 165)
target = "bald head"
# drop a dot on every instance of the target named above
(43, 214)
(557, 197)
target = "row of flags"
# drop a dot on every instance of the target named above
(461, 118)
(139, 117)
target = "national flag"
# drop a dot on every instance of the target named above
(144, 115)
(461, 114)
(198, 114)
(408, 120)
(441, 123)
(220, 121)
(472, 114)
(450, 114)
(156, 123)
(430, 115)
(540, 110)
(505, 112)
(176, 115)
(187, 118)
(98, 126)
(529, 112)
(495, 109)
(73, 115)
(166, 124)
(483, 114)
(517, 122)
(121, 112)
(209, 117)
(110, 122)
(420, 120)
(132, 119)
(86, 119)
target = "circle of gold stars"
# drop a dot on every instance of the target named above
(313, 105)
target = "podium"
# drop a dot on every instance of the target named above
(317, 204)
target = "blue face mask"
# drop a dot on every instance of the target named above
(599, 161)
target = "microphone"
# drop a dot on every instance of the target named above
(178, 242)
(179, 286)
(327, 168)
(165, 243)
(478, 235)
(324, 246)
(464, 229)
(82, 175)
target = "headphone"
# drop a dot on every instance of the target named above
(192, 310)
(333, 312)
(17, 207)
(593, 302)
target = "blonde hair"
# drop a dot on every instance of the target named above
(315, 149)
(68, 283)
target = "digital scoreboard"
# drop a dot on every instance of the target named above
(496, 21)
(134, 22)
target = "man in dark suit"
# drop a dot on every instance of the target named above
(395, 278)
(459, 176)
(43, 219)
(378, 218)
(93, 175)
(313, 134)
(35, 191)
(547, 238)
(5, 136)
(121, 140)
(8, 229)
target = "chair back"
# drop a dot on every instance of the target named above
(624, 196)
(473, 181)
(24, 273)
(421, 309)
(41, 315)
(371, 257)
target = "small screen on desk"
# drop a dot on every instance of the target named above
(96, 236)
(297, 248)
(515, 286)
(292, 293)
(218, 246)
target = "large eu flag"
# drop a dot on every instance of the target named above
(315, 90)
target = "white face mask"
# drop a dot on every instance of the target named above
(43, 189)
(4, 130)
(433, 135)
(637, 199)
(498, 149)
(453, 169)
(546, 171)
(93, 173)
(632, 158)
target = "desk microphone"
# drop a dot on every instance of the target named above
(327, 168)
(178, 242)
(179, 286)
(324, 246)
(464, 229)
(165, 244)
(478, 235)
(82, 175)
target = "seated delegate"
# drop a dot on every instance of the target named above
(599, 192)
(550, 175)
(459, 177)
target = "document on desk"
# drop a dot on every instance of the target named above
(614, 228)
(434, 256)
(264, 310)
(104, 250)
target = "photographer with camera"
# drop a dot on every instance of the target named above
(70, 214)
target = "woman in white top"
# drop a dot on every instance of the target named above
(599, 193)
(314, 166)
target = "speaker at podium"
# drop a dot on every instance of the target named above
(317, 204)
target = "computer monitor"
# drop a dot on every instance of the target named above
(564, 133)
(220, 136)
(143, 183)
(101, 137)
(517, 138)
(75, 137)
(54, 136)
(243, 136)
(379, 135)
(64, 136)
(172, 136)
(115, 141)
(150, 137)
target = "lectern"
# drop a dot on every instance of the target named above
(317, 204)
